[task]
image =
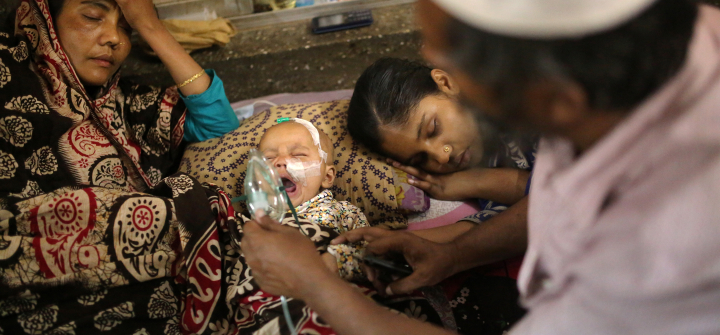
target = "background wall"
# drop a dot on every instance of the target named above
(288, 58)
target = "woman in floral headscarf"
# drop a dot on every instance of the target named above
(95, 235)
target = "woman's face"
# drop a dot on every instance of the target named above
(96, 38)
(439, 137)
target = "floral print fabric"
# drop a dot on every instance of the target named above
(98, 260)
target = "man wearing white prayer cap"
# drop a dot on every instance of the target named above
(623, 221)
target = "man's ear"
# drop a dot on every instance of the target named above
(556, 104)
(569, 104)
(445, 83)
(328, 177)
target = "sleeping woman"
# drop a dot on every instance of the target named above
(97, 235)
(411, 113)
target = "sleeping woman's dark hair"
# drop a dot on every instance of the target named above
(385, 94)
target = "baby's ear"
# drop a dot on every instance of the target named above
(329, 177)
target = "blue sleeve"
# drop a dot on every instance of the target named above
(487, 211)
(209, 114)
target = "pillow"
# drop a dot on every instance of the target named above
(363, 178)
(410, 199)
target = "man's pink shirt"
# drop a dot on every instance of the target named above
(625, 239)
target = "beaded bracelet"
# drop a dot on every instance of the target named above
(191, 79)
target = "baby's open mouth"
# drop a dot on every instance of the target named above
(290, 186)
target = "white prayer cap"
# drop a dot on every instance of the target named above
(544, 19)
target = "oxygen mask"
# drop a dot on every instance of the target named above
(264, 188)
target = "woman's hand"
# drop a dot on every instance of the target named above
(454, 186)
(139, 13)
(504, 185)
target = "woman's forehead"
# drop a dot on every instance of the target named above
(102, 4)
(402, 139)
(399, 141)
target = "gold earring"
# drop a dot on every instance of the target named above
(447, 148)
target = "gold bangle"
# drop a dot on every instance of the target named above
(191, 79)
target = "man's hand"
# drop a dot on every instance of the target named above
(365, 234)
(283, 261)
(368, 234)
(431, 262)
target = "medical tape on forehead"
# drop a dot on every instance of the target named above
(300, 171)
(315, 136)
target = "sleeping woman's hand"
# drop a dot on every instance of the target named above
(504, 185)
(139, 14)
(453, 186)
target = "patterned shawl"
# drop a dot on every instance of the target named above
(52, 134)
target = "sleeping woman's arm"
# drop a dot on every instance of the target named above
(503, 185)
(445, 234)
(209, 114)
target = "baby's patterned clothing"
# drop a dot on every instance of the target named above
(338, 216)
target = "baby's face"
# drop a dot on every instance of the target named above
(290, 148)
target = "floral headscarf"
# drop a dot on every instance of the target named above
(53, 134)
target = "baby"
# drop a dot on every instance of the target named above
(302, 155)
(302, 164)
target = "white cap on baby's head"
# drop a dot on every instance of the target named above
(544, 19)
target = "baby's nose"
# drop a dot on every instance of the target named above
(280, 163)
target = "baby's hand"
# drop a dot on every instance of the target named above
(330, 262)
(452, 187)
